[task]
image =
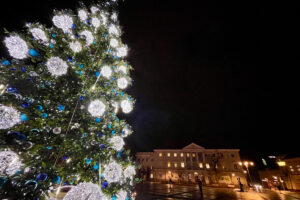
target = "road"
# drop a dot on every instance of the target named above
(156, 191)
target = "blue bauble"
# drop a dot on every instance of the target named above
(51, 45)
(61, 107)
(94, 42)
(114, 197)
(70, 59)
(119, 154)
(23, 69)
(44, 115)
(12, 89)
(100, 133)
(104, 185)
(65, 157)
(113, 132)
(39, 107)
(53, 35)
(102, 146)
(33, 52)
(88, 161)
(5, 62)
(79, 72)
(121, 93)
(76, 36)
(21, 137)
(98, 120)
(48, 147)
(97, 74)
(25, 104)
(104, 34)
(32, 182)
(96, 167)
(81, 98)
(41, 177)
(109, 126)
(56, 180)
(80, 66)
(73, 26)
(23, 117)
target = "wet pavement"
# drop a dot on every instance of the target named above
(157, 191)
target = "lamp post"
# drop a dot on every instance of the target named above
(247, 164)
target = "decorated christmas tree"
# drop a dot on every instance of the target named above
(60, 94)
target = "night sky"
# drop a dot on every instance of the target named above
(219, 74)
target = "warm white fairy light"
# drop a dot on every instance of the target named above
(75, 46)
(126, 106)
(123, 69)
(114, 43)
(9, 163)
(94, 9)
(122, 83)
(112, 172)
(63, 22)
(88, 36)
(2, 89)
(116, 142)
(82, 15)
(113, 30)
(56, 66)
(129, 172)
(16, 46)
(106, 71)
(85, 191)
(95, 22)
(122, 195)
(39, 35)
(121, 51)
(8, 117)
(96, 108)
(116, 106)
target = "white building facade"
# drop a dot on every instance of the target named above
(212, 166)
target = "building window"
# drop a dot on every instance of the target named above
(169, 154)
(201, 165)
(160, 154)
(175, 154)
(181, 154)
(182, 164)
(175, 164)
(232, 155)
(193, 155)
(151, 175)
(235, 166)
(292, 170)
(187, 155)
(169, 164)
(207, 165)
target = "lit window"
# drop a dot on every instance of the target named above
(200, 165)
(291, 166)
(299, 169)
(169, 164)
(187, 155)
(207, 165)
(175, 154)
(160, 154)
(175, 165)
(181, 154)
(169, 154)
(182, 164)
(292, 170)
(193, 155)
(151, 175)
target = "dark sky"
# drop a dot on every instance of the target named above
(220, 74)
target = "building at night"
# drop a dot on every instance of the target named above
(212, 166)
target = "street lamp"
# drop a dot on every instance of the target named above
(247, 164)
